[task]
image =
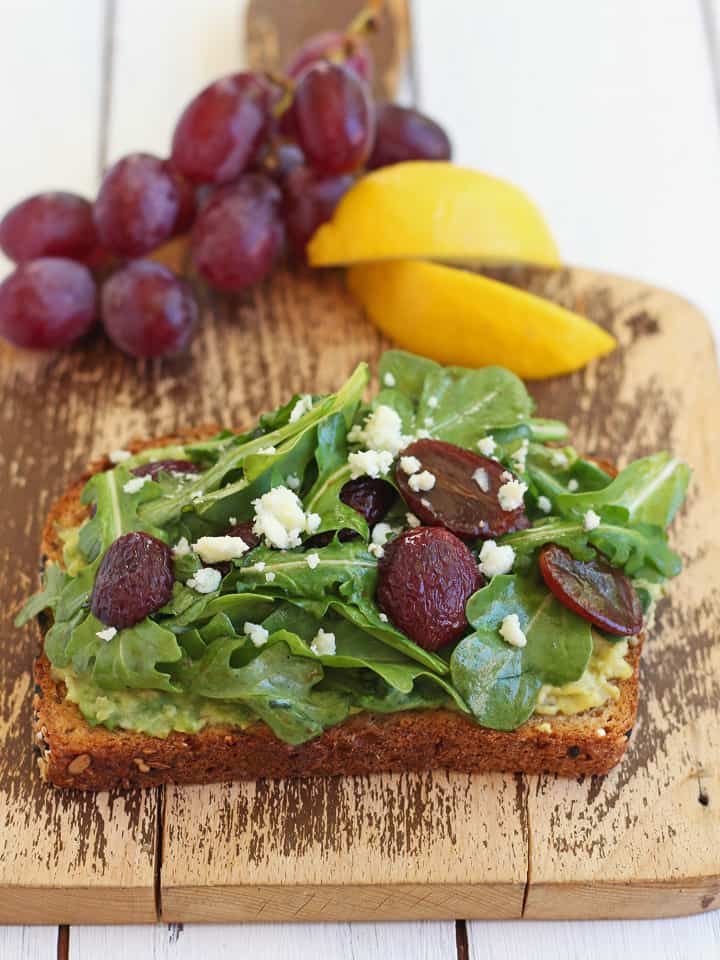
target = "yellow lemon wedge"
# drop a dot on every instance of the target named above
(457, 317)
(433, 210)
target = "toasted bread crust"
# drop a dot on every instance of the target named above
(71, 753)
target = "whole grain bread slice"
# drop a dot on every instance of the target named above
(71, 753)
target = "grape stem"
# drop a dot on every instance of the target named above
(287, 85)
(366, 20)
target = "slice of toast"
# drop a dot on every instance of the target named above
(71, 753)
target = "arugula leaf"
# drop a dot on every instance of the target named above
(500, 683)
(53, 582)
(650, 489)
(116, 512)
(370, 693)
(333, 473)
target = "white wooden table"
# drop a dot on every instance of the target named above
(607, 113)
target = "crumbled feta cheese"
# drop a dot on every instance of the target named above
(260, 566)
(383, 617)
(376, 550)
(519, 457)
(511, 632)
(429, 421)
(380, 533)
(432, 402)
(117, 456)
(389, 380)
(206, 580)
(544, 727)
(371, 463)
(382, 430)
(481, 479)
(302, 406)
(412, 521)
(270, 576)
(312, 560)
(422, 434)
(591, 521)
(107, 634)
(182, 548)
(280, 518)
(135, 483)
(323, 644)
(232, 521)
(410, 465)
(257, 633)
(495, 560)
(506, 475)
(219, 549)
(486, 445)
(510, 494)
(600, 731)
(573, 485)
(544, 504)
(422, 481)
(559, 459)
(293, 481)
(267, 451)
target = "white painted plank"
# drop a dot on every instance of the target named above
(50, 63)
(28, 943)
(597, 940)
(604, 112)
(361, 941)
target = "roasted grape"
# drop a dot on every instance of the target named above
(47, 303)
(147, 311)
(402, 133)
(135, 578)
(49, 225)
(238, 233)
(309, 201)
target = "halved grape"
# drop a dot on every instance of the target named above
(350, 49)
(333, 116)
(137, 206)
(52, 224)
(147, 311)
(47, 303)
(593, 589)
(238, 233)
(220, 131)
(464, 497)
(402, 133)
(309, 201)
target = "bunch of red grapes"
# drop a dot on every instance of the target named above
(257, 164)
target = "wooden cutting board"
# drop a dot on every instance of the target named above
(643, 841)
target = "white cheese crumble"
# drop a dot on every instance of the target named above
(270, 576)
(559, 459)
(182, 548)
(573, 485)
(376, 550)
(432, 402)
(312, 560)
(591, 521)
(380, 533)
(302, 406)
(383, 617)
(422, 481)
(519, 457)
(412, 521)
(323, 644)
(511, 632)
(260, 566)
(410, 465)
(544, 504)
(135, 483)
(218, 549)
(280, 518)
(257, 633)
(206, 580)
(510, 494)
(389, 380)
(429, 421)
(267, 451)
(481, 479)
(117, 456)
(382, 430)
(232, 521)
(107, 634)
(422, 434)
(495, 560)
(293, 481)
(371, 463)
(506, 475)
(486, 445)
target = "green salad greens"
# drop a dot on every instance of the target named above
(289, 632)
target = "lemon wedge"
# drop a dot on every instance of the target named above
(457, 317)
(433, 210)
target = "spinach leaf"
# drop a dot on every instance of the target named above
(499, 682)
(405, 372)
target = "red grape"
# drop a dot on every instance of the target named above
(310, 201)
(402, 133)
(352, 50)
(334, 118)
(48, 225)
(137, 206)
(219, 133)
(147, 311)
(238, 233)
(187, 201)
(281, 159)
(47, 303)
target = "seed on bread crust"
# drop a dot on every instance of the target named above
(79, 764)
